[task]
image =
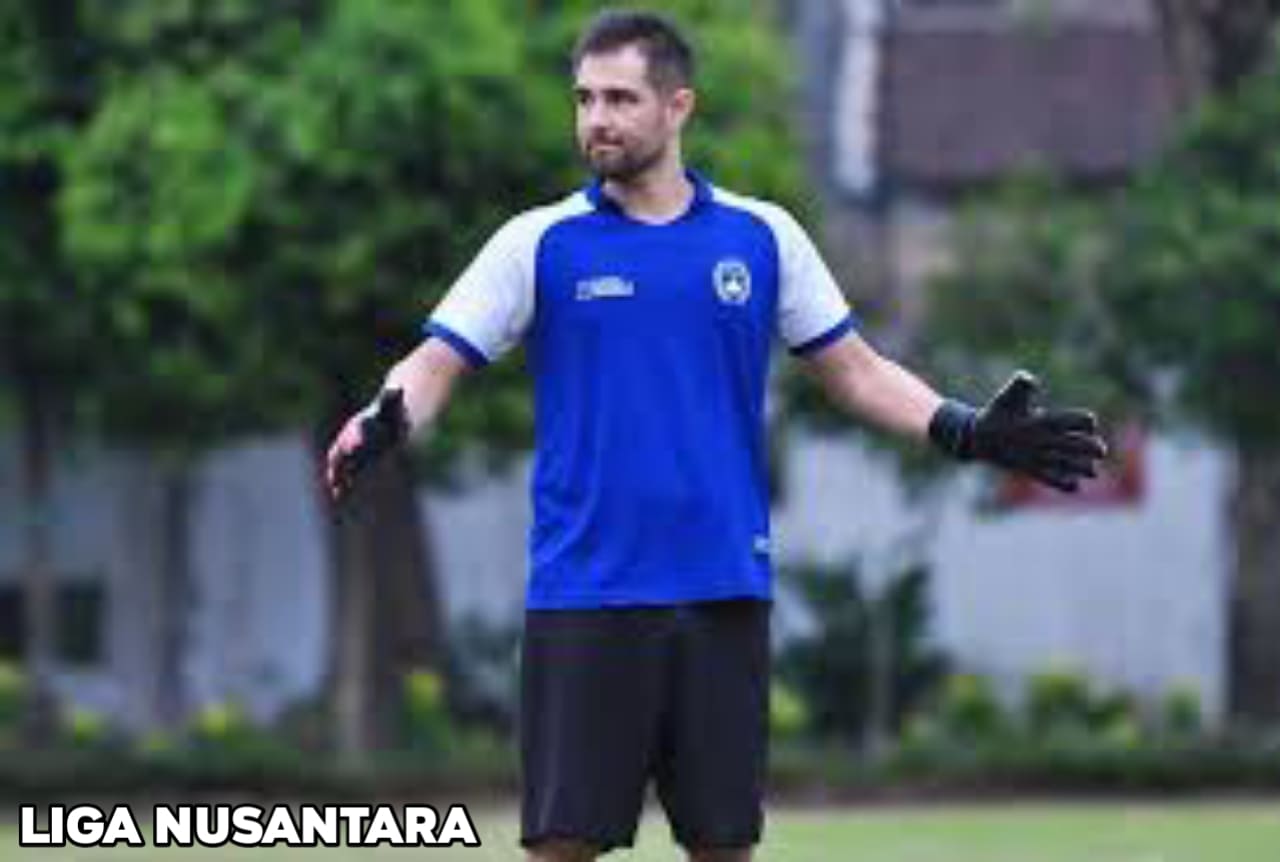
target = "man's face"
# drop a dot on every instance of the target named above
(624, 124)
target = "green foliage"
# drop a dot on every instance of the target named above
(969, 709)
(269, 184)
(1120, 761)
(220, 725)
(427, 722)
(84, 728)
(1029, 291)
(221, 739)
(1063, 715)
(1142, 302)
(1058, 699)
(833, 669)
(1062, 703)
(1197, 282)
(47, 332)
(13, 690)
(1181, 713)
(788, 716)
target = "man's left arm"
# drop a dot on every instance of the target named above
(1058, 447)
(873, 387)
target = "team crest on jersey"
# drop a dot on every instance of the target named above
(733, 281)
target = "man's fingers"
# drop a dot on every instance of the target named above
(1066, 465)
(1074, 443)
(352, 462)
(340, 468)
(1069, 420)
(1065, 484)
(1064, 481)
(1015, 396)
(366, 436)
(333, 459)
(1058, 447)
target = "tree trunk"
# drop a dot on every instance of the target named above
(39, 582)
(175, 593)
(385, 618)
(1186, 50)
(409, 617)
(1254, 676)
(1211, 45)
(350, 623)
(1240, 32)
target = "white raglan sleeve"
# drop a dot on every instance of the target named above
(489, 307)
(812, 311)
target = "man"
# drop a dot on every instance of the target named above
(647, 303)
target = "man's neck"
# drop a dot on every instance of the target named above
(661, 194)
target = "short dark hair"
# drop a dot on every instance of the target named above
(666, 50)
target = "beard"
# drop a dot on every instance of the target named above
(621, 163)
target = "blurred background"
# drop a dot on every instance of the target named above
(222, 221)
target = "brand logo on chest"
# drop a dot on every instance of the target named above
(604, 287)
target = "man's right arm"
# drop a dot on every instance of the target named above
(425, 379)
(483, 315)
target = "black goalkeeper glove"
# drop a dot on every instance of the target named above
(382, 428)
(1058, 447)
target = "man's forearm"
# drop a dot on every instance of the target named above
(426, 377)
(880, 391)
(1059, 447)
(896, 399)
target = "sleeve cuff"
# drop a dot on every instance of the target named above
(831, 335)
(468, 351)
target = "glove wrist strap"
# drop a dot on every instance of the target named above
(385, 424)
(951, 429)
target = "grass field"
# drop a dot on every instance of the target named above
(1218, 832)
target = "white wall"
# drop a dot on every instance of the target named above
(1135, 596)
(261, 615)
(479, 538)
(257, 613)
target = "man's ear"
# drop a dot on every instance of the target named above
(682, 103)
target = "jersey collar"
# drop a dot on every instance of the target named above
(702, 194)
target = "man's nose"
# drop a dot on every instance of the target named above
(596, 116)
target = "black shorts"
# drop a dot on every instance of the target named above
(612, 698)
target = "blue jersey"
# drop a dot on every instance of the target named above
(649, 346)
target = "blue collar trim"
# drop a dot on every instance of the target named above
(702, 194)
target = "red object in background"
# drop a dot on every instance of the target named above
(1121, 481)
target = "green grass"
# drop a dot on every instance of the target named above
(1119, 832)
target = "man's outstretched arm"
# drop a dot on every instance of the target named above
(1058, 447)
(414, 393)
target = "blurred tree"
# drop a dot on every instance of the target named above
(79, 347)
(1163, 301)
(267, 199)
(266, 183)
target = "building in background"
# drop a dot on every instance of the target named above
(913, 104)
